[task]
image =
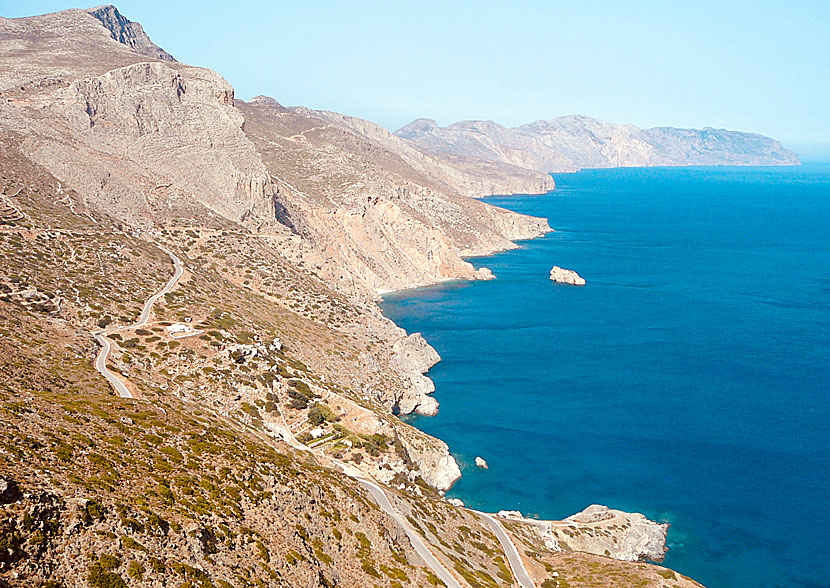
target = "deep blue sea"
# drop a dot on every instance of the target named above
(688, 380)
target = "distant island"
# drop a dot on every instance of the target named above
(575, 142)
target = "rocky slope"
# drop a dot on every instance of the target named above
(265, 369)
(574, 142)
(129, 33)
(599, 530)
(383, 215)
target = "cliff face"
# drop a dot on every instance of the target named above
(383, 215)
(146, 141)
(129, 33)
(574, 142)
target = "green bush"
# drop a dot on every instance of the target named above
(99, 578)
(136, 570)
(109, 562)
(320, 413)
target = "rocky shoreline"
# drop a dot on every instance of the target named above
(598, 530)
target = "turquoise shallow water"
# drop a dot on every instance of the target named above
(688, 380)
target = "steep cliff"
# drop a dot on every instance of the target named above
(374, 212)
(129, 33)
(573, 142)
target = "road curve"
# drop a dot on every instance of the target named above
(420, 547)
(106, 346)
(516, 563)
(148, 306)
(101, 366)
(386, 506)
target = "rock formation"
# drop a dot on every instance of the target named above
(601, 531)
(618, 534)
(566, 276)
(570, 143)
(480, 462)
(129, 33)
(415, 356)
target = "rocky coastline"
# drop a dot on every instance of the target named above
(597, 530)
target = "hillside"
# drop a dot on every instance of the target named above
(570, 143)
(258, 442)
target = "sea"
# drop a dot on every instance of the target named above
(688, 380)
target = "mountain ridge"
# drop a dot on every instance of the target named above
(573, 142)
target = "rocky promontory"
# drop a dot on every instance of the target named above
(602, 531)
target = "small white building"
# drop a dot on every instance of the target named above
(179, 329)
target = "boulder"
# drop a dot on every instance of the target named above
(566, 276)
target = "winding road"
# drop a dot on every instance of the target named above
(106, 346)
(420, 547)
(379, 495)
(516, 563)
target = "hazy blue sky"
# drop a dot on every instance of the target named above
(757, 66)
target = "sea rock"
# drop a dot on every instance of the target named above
(480, 462)
(484, 273)
(613, 533)
(442, 473)
(566, 276)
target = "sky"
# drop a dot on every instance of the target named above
(753, 66)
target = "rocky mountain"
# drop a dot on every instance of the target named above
(386, 215)
(197, 386)
(570, 143)
(129, 33)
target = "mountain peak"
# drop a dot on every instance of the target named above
(128, 33)
(417, 126)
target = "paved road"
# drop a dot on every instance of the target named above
(148, 306)
(417, 542)
(101, 366)
(516, 563)
(383, 502)
(106, 346)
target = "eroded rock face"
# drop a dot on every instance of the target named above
(565, 276)
(614, 533)
(129, 33)
(149, 133)
(441, 471)
(412, 355)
